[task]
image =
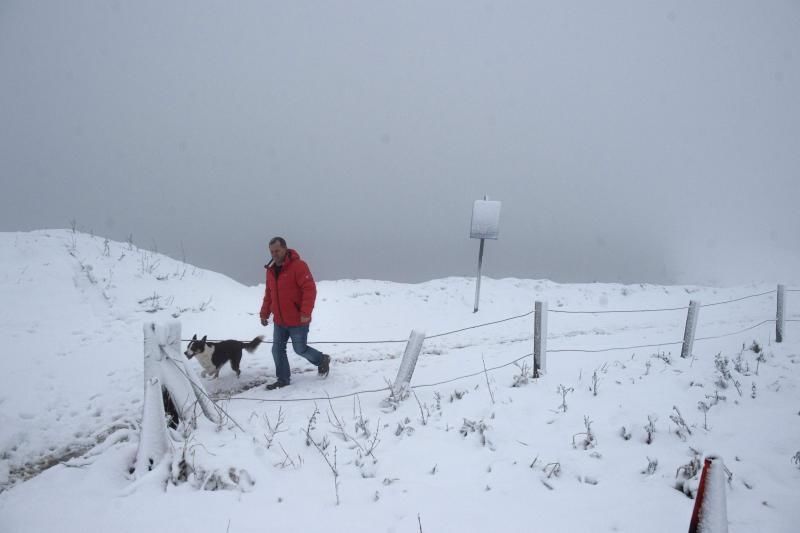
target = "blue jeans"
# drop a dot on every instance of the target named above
(298, 334)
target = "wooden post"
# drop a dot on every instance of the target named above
(539, 339)
(163, 360)
(409, 362)
(779, 315)
(153, 440)
(691, 325)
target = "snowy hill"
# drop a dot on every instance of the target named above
(604, 441)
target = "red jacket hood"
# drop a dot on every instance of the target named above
(291, 255)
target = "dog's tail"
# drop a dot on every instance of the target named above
(253, 344)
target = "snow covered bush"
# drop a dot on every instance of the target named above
(589, 440)
(479, 427)
(687, 474)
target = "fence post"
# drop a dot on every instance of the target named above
(539, 339)
(153, 441)
(710, 514)
(779, 315)
(162, 360)
(691, 325)
(409, 362)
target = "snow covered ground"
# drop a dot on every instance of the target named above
(602, 442)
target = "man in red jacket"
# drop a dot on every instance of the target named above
(289, 298)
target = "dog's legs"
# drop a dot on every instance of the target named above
(235, 360)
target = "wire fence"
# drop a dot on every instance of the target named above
(388, 388)
(529, 313)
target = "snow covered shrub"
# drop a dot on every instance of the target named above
(741, 365)
(273, 429)
(755, 347)
(392, 402)
(650, 428)
(522, 378)
(715, 398)
(479, 427)
(230, 479)
(625, 434)
(760, 359)
(589, 440)
(704, 408)
(796, 459)
(652, 465)
(687, 475)
(404, 427)
(595, 379)
(562, 390)
(666, 357)
(424, 412)
(550, 470)
(682, 428)
(457, 395)
(721, 363)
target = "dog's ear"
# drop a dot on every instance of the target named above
(194, 337)
(204, 338)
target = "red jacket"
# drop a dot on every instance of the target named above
(289, 294)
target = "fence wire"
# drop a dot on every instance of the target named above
(386, 389)
(606, 311)
(739, 299)
(401, 340)
(559, 311)
(660, 344)
(735, 332)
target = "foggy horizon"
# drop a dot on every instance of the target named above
(629, 143)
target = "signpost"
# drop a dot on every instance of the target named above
(485, 225)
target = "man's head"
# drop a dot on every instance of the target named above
(278, 250)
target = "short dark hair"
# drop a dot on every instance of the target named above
(279, 240)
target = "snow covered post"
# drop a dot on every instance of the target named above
(691, 325)
(153, 441)
(539, 339)
(710, 514)
(162, 360)
(779, 315)
(406, 370)
(485, 225)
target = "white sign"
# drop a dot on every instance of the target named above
(485, 219)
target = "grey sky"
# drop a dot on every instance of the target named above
(628, 141)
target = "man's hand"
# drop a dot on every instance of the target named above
(305, 319)
(264, 321)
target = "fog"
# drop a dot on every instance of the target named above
(628, 141)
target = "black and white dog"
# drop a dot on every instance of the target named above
(212, 355)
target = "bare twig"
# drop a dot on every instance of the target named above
(485, 373)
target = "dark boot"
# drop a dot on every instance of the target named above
(276, 385)
(324, 365)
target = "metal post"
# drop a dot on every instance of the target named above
(478, 283)
(710, 513)
(539, 339)
(779, 315)
(691, 325)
